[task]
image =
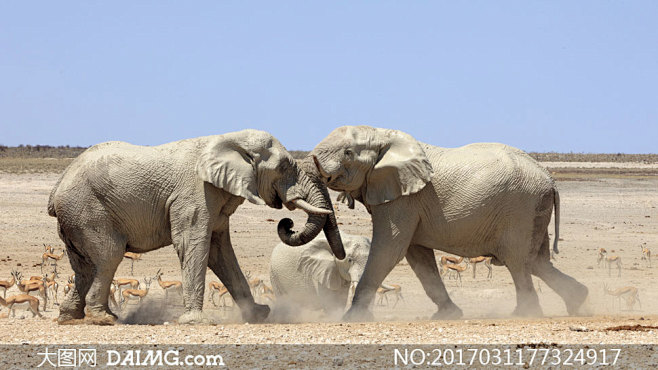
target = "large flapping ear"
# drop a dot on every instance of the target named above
(401, 169)
(318, 263)
(230, 162)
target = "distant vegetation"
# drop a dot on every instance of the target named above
(54, 159)
(40, 151)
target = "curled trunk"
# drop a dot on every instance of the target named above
(318, 196)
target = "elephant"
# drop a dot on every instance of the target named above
(117, 197)
(482, 199)
(311, 276)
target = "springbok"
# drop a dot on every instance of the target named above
(613, 260)
(6, 284)
(52, 284)
(629, 293)
(33, 287)
(119, 283)
(132, 257)
(51, 258)
(600, 257)
(169, 286)
(255, 284)
(487, 264)
(219, 289)
(646, 254)
(385, 290)
(135, 294)
(21, 300)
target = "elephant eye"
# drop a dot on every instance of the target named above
(348, 152)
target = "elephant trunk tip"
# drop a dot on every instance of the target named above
(287, 235)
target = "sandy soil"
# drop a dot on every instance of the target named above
(618, 214)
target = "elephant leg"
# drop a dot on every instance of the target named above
(105, 262)
(392, 234)
(73, 306)
(527, 301)
(423, 263)
(572, 292)
(193, 255)
(224, 264)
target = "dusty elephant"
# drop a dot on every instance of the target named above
(482, 199)
(117, 197)
(311, 276)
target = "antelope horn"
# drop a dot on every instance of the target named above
(308, 208)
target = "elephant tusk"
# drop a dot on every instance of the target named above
(308, 208)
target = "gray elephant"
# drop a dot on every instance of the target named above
(481, 199)
(311, 276)
(117, 197)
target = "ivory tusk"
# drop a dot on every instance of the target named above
(304, 205)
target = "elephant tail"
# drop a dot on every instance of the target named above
(556, 202)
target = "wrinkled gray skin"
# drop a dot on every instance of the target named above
(117, 197)
(311, 276)
(481, 199)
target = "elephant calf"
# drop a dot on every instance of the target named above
(311, 277)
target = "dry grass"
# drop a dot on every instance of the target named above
(33, 165)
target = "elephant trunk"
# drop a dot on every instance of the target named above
(318, 196)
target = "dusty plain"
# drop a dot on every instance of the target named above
(603, 205)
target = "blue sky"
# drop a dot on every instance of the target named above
(563, 76)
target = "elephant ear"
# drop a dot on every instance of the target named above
(226, 163)
(401, 169)
(318, 263)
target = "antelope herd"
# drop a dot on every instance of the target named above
(38, 290)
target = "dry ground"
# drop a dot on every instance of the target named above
(616, 212)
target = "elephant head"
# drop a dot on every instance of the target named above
(319, 264)
(254, 165)
(373, 165)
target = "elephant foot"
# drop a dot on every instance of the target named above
(578, 305)
(256, 313)
(68, 315)
(100, 316)
(355, 314)
(448, 312)
(193, 317)
(528, 311)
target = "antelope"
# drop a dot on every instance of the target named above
(71, 284)
(135, 294)
(51, 258)
(111, 298)
(646, 254)
(614, 260)
(132, 257)
(6, 284)
(34, 287)
(456, 268)
(629, 293)
(133, 283)
(22, 300)
(601, 256)
(384, 290)
(167, 286)
(48, 248)
(217, 288)
(255, 284)
(451, 259)
(487, 264)
(52, 284)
